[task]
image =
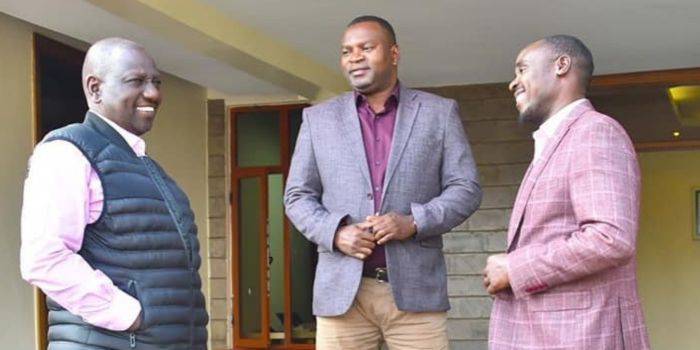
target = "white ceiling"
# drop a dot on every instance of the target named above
(447, 42)
(443, 42)
(89, 23)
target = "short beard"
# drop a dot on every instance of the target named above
(534, 114)
(530, 116)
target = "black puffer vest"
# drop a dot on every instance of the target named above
(145, 241)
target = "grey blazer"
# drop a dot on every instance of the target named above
(430, 174)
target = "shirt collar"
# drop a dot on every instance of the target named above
(361, 99)
(136, 143)
(549, 127)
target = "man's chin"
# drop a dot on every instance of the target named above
(143, 127)
(361, 86)
(528, 116)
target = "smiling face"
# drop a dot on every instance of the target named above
(534, 86)
(129, 90)
(368, 58)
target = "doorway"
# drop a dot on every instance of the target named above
(58, 101)
(272, 263)
(58, 85)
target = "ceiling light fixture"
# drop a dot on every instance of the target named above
(686, 104)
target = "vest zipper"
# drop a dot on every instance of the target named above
(132, 335)
(170, 204)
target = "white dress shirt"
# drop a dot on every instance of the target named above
(547, 130)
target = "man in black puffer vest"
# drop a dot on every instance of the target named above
(106, 233)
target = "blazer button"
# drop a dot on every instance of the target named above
(370, 196)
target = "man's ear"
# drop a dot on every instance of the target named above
(562, 64)
(395, 55)
(93, 89)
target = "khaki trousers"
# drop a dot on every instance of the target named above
(374, 318)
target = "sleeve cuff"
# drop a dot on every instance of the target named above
(122, 312)
(418, 213)
(334, 220)
(516, 283)
(523, 280)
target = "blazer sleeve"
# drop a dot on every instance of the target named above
(604, 187)
(461, 193)
(302, 197)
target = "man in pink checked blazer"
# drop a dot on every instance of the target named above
(568, 279)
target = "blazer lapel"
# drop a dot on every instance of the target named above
(536, 168)
(405, 117)
(514, 225)
(353, 135)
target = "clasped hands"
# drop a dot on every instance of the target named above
(359, 240)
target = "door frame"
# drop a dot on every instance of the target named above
(241, 172)
(43, 45)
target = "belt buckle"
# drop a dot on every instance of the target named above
(381, 274)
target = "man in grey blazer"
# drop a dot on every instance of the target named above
(377, 176)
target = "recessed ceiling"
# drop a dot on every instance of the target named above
(84, 21)
(443, 42)
(473, 41)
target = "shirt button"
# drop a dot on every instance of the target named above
(376, 163)
(377, 188)
(370, 196)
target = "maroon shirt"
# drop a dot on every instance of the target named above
(377, 133)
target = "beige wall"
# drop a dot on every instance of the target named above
(17, 316)
(178, 142)
(669, 260)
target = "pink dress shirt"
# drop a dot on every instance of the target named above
(62, 195)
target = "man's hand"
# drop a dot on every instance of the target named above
(496, 273)
(137, 323)
(355, 240)
(391, 226)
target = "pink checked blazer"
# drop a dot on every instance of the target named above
(572, 244)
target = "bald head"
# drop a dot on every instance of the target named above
(99, 57)
(121, 83)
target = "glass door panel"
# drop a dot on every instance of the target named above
(303, 260)
(258, 139)
(251, 297)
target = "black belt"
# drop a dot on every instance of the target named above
(381, 274)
